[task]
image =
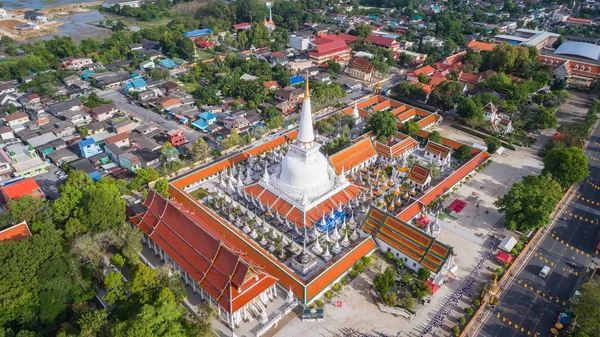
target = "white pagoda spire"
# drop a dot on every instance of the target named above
(306, 135)
(355, 113)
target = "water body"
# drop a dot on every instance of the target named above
(17, 4)
(76, 26)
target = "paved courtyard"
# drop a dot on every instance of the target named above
(361, 313)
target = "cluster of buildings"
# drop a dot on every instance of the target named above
(297, 221)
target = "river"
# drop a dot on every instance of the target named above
(17, 4)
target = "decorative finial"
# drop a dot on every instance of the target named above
(306, 90)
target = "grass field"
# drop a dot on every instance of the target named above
(204, 55)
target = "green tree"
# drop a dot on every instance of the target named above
(200, 150)
(493, 144)
(94, 101)
(424, 274)
(545, 118)
(567, 166)
(558, 84)
(26, 208)
(587, 309)
(411, 128)
(383, 125)
(83, 131)
(162, 187)
(435, 137)
(168, 152)
(113, 282)
(186, 49)
(101, 206)
(384, 282)
(335, 67)
(363, 30)
(93, 324)
(462, 153)
(528, 204)
(468, 109)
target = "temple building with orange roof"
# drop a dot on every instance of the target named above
(281, 223)
(17, 232)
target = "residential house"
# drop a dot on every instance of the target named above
(36, 16)
(478, 46)
(136, 85)
(271, 85)
(7, 87)
(63, 129)
(125, 126)
(77, 117)
(289, 94)
(170, 102)
(147, 128)
(6, 100)
(176, 137)
(89, 148)
(111, 80)
(61, 156)
(29, 100)
(205, 119)
(6, 132)
(130, 161)
(114, 152)
(17, 189)
(25, 161)
(434, 42)
(103, 112)
(5, 164)
(167, 64)
(122, 3)
(16, 118)
(361, 69)
(76, 81)
(414, 75)
(121, 140)
(149, 64)
(71, 105)
(148, 157)
(323, 77)
(72, 63)
(86, 166)
(438, 153)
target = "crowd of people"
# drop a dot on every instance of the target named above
(440, 318)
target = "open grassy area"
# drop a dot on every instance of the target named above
(204, 55)
(129, 21)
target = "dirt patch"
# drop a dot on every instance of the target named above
(9, 25)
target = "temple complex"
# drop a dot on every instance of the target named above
(281, 223)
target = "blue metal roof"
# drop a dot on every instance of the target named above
(296, 80)
(86, 142)
(207, 115)
(167, 63)
(136, 84)
(200, 123)
(198, 32)
(581, 49)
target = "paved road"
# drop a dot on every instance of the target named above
(537, 313)
(123, 104)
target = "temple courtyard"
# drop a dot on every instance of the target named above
(359, 311)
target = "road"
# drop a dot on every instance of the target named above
(143, 114)
(570, 241)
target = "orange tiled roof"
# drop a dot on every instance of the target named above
(418, 174)
(437, 149)
(427, 70)
(428, 120)
(481, 46)
(396, 146)
(468, 78)
(353, 155)
(27, 186)
(407, 239)
(204, 254)
(15, 233)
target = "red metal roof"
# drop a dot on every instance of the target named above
(203, 253)
(15, 233)
(20, 188)
(382, 41)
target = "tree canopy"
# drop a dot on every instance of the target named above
(383, 125)
(567, 166)
(587, 309)
(528, 204)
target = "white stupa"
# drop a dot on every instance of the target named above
(304, 178)
(355, 113)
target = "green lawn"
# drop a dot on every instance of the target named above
(204, 55)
